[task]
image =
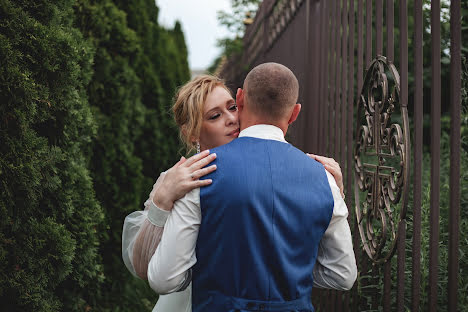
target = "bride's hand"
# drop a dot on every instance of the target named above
(182, 178)
(333, 167)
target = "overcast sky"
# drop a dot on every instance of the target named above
(201, 28)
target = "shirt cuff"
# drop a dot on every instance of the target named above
(156, 215)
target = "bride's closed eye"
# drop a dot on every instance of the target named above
(232, 108)
(214, 116)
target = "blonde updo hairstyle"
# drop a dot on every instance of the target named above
(189, 104)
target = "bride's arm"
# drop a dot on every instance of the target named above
(148, 237)
(335, 267)
(142, 230)
(333, 167)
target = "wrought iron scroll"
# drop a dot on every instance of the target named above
(381, 159)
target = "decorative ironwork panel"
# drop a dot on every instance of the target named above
(381, 159)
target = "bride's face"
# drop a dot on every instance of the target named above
(220, 120)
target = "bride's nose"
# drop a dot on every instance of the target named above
(231, 119)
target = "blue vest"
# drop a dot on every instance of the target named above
(262, 220)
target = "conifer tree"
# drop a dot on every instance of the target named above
(183, 71)
(85, 89)
(134, 143)
(115, 94)
(162, 67)
(50, 217)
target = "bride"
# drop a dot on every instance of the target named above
(206, 114)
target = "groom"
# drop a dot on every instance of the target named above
(271, 217)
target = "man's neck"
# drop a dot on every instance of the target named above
(244, 124)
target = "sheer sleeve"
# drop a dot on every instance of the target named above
(142, 231)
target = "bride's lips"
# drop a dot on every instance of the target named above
(234, 133)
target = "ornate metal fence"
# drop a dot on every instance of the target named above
(356, 108)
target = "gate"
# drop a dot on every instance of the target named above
(363, 105)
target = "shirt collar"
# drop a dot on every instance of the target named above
(266, 132)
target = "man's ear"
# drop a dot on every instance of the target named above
(295, 112)
(240, 99)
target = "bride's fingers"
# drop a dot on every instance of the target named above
(196, 158)
(335, 166)
(203, 172)
(332, 166)
(321, 159)
(313, 156)
(201, 183)
(203, 162)
(180, 162)
(327, 161)
(336, 172)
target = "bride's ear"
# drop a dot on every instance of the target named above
(184, 131)
(194, 139)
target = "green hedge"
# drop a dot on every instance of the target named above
(85, 90)
(50, 214)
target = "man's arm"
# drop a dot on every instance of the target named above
(336, 265)
(169, 269)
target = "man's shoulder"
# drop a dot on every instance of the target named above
(252, 147)
(238, 144)
(226, 146)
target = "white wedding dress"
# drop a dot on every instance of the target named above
(175, 302)
(133, 224)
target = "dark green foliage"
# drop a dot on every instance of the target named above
(114, 95)
(49, 212)
(162, 67)
(85, 129)
(136, 71)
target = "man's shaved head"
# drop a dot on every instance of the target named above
(271, 90)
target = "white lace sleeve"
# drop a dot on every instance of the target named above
(142, 231)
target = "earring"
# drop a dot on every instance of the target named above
(198, 148)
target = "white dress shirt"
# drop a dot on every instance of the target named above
(169, 269)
